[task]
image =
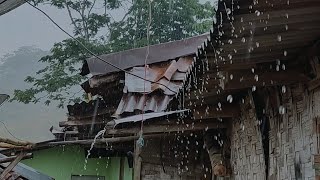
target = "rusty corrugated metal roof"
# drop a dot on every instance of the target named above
(137, 97)
(136, 57)
(171, 74)
(131, 102)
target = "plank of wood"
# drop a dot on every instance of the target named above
(12, 165)
(148, 129)
(80, 123)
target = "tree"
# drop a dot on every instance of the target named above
(170, 20)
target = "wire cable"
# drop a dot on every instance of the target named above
(92, 53)
(3, 2)
(10, 131)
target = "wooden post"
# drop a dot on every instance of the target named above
(121, 173)
(137, 161)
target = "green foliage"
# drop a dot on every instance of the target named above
(171, 20)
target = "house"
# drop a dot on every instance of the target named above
(239, 103)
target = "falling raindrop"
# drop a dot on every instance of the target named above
(278, 62)
(242, 127)
(254, 88)
(285, 53)
(243, 40)
(257, 13)
(230, 98)
(287, 15)
(282, 110)
(256, 77)
(283, 67)
(230, 41)
(279, 38)
(286, 27)
(283, 89)
(252, 70)
(257, 44)
(228, 10)
(277, 68)
(231, 76)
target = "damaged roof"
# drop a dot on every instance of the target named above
(136, 57)
(167, 80)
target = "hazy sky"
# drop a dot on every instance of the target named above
(25, 26)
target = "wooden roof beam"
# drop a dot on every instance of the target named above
(148, 129)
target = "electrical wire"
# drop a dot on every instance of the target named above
(3, 2)
(9, 131)
(92, 53)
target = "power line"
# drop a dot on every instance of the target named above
(3, 2)
(9, 131)
(92, 53)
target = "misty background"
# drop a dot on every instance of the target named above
(25, 36)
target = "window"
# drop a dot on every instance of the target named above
(85, 177)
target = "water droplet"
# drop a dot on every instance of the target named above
(228, 10)
(230, 98)
(282, 110)
(254, 88)
(277, 68)
(243, 40)
(257, 44)
(287, 15)
(283, 89)
(286, 27)
(279, 38)
(252, 70)
(242, 127)
(230, 56)
(278, 62)
(285, 53)
(256, 77)
(257, 13)
(230, 41)
(283, 67)
(231, 76)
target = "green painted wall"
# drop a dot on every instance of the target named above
(62, 162)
